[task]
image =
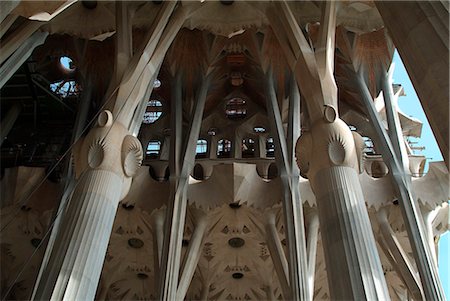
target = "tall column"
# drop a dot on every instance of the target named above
(213, 148)
(109, 157)
(429, 277)
(8, 121)
(7, 7)
(328, 156)
(157, 221)
(182, 162)
(289, 175)
(261, 149)
(7, 23)
(14, 40)
(403, 265)
(193, 254)
(313, 233)
(428, 217)
(20, 56)
(420, 31)
(237, 146)
(277, 253)
(393, 120)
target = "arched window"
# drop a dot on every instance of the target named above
(259, 129)
(270, 148)
(248, 148)
(236, 108)
(156, 84)
(224, 148)
(67, 64)
(153, 111)
(66, 88)
(202, 148)
(153, 149)
(369, 147)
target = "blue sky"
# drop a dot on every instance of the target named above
(410, 105)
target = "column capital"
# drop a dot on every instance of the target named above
(109, 146)
(329, 143)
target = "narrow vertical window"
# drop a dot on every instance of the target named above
(153, 111)
(202, 148)
(153, 149)
(224, 148)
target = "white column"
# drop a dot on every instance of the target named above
(109, 158)
(237, 146)
(313, 234)
(328, 156)
(213, 148)
(7, 7)
(403, 265)
(289, 174)
(277, 253)
(8, 121)
(395, 128)
(16, 60)
(157, 223)
(428, 218)
(182, 163)
(410, 211)
(14, 40)
(6, 24)
(192, 255)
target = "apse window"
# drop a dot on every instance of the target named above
(156, 84)
(224, 148)
(248, 148)
(66, 88)
(369, 147)
(236, 108)
(153, 149)
(270, 148)
(67, 64)
(153, 111)
(202, 148)
(212, 132)
(259, 129)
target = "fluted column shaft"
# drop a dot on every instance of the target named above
(313, 233)
(106, 160)
(351, 256)
(86, 231)
(328, 155)
(192, 256)
(75, 264)
(277, 253)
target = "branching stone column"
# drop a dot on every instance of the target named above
(313, 233)
(403, 265)
(428, 217)
(328, 156)
(276, 252)
(420, 31)
(20, 56)
(108, 158)
(193, 254)
(157, 221)
(8, 121)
